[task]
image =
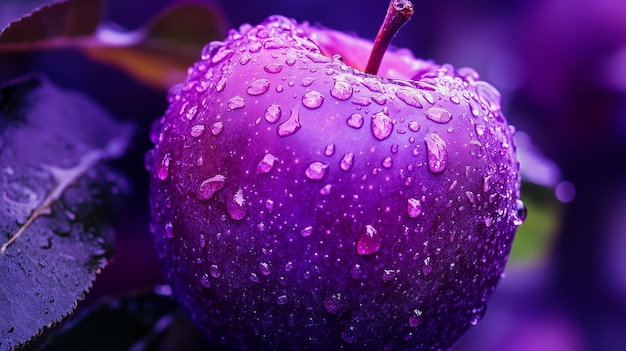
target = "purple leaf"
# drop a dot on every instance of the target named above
(54, 193)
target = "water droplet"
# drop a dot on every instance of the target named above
(387, 162)
(290, 61)
(306, 231)
(205, 280)
(292, 125)
(267, 164)
(273, 68)
(478, 314)
(355, 120)
(335, 304)
(281, 300)
(348, 334)
(209, 49)
(221, 84)
(258, 87)
(427, 268)
(236, 206)
(316, 170)
(272, 114)
(520, 213)
(312, 99)
(438, 115)
(169, 230)
(210, 186)
(409, 98)
(236, 103)
(191, 112)
(254, 277)
(305, 82)
(163, 169)
(413, 207)
(414, 126)
(264, 268)
(326, 189)
(245, 58)
(382, 126)
(221, 56)
(437, 152)
(329, 150)
(215, 271)
(488, 221)
(373, 85)
(341, 90)
(217, 128)
(388, 274)
(416, 319)
(489, 95)
(347, 161)
(369, 241)
(470, 196)
(429, 98)
(288, 266)
(255, 47)
(394, 149)
(197, 131)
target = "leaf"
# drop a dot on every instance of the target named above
(54, 193)
(157, 54)
(141, 322)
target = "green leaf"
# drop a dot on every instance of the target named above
(54, 196)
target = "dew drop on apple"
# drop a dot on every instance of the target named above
(307, 231)
(290, 126)
(205, 281)
(439, 115)
(387, 162)
(236, 206)
(236, 102)
(169, 230)
(272, 114)
(258, 87)
(267, 164)
(217, 128)
(316, 170)
(381, 125)
(273, 68)
(341, 90)
(369, 241)
(312, 99)
(347, 161)
(163, 170)
(355, 120)
(437, 152)
(413, 207)
(210, 186)
(409, 98)
(197, 130)
(329, 150)
(215, 271)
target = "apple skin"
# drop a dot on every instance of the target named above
(312, 229)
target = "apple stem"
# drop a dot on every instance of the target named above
(398, 13)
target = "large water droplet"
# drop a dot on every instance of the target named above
(387, 162)
(306, 82)
(489, 95)
(273, 68)
(210, 186)
(437, 152)
(341, 90)
(355, 120)
(316, 170)
(335, 304)
(438, 115)
(347, 161)
(291, 125)
(163, 170)
(312, 99)
(520, 213)
(217, 128)
(382, 126)
(267, 164)
(221, 55)
(409, 98)
(306, 231)
(236, 206)
(236, 103)
(272, 114)
(209, 49)
(197, 130)
(413, 207)
(369, 241)
(258, 87)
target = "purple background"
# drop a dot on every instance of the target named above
(561, 67)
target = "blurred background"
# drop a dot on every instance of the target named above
(561, 68)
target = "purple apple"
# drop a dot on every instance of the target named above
(300, 203)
